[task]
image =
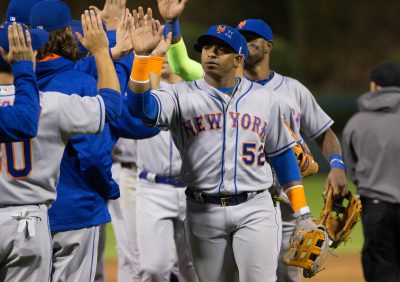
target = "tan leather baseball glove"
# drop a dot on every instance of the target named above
(305, 160)
(308, 246)
(339, 217)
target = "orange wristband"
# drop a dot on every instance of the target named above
(140, 69)
(297, 197)
(155, 65)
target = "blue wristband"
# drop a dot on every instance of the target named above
(336, 161)
(173, 27)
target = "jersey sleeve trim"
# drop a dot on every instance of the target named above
(102, 115)
(322, 130)
(277, 152)
(159, 107)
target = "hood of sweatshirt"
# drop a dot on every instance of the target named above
(48, 69)
(386, 99)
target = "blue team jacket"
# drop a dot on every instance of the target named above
(85, 182)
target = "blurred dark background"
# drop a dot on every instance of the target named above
(330, 46)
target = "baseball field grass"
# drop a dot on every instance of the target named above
(344, 266)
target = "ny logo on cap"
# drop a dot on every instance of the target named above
(221, 29)
(229, 34)
(242, 24)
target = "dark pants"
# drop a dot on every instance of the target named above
(381, 250)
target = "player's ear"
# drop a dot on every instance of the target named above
(268, 46)
(238, 60)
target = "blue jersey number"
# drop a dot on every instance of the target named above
(26, 164)
(252, 155)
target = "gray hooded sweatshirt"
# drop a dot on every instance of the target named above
(371, 145)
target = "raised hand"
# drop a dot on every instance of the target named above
(123, 46)
(162, 47)
(20, 45)
(94, 37)
(112, 9)
(171, 10)
(144, 34)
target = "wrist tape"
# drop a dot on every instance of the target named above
(336, 161)
(143, 66)
(297, 198)
(173, 27)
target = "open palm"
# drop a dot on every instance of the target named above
(144, 34)
(171, 9)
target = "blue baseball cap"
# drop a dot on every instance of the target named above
(228, 35)
(50, 15)
(19, 10)
(39, 39)
(256, 26)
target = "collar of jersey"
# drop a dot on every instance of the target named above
(264, 81)
(242, 88)
(230, 90)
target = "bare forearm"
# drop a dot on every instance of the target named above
(107, 76)
(138, 88)
(176, 39)
(329, 144)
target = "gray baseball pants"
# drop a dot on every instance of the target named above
(160, 213)
(234, 243)
(75, 255)
(25, 244)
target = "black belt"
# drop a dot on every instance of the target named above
(156, 178)
(129, 165)
(223, 200)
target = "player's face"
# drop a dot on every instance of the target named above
(258, 49)
(218, 61)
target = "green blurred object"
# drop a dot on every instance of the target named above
(111, 244)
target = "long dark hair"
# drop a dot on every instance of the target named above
(62, 43)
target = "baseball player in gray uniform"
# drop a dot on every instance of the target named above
(30, 169)
(223, 127)
(310, 119)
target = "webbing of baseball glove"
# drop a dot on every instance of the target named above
(308, 251)
(339, 216)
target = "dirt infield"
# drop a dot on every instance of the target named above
(344, 268)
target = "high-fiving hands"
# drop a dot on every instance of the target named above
(112, 11)
(20, 45)
(94, 37)
(171, 10)
(145, 33)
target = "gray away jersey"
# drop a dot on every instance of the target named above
(306, 112)
(222, 139)
(159, 155)
(30, 169)
(124, 151)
